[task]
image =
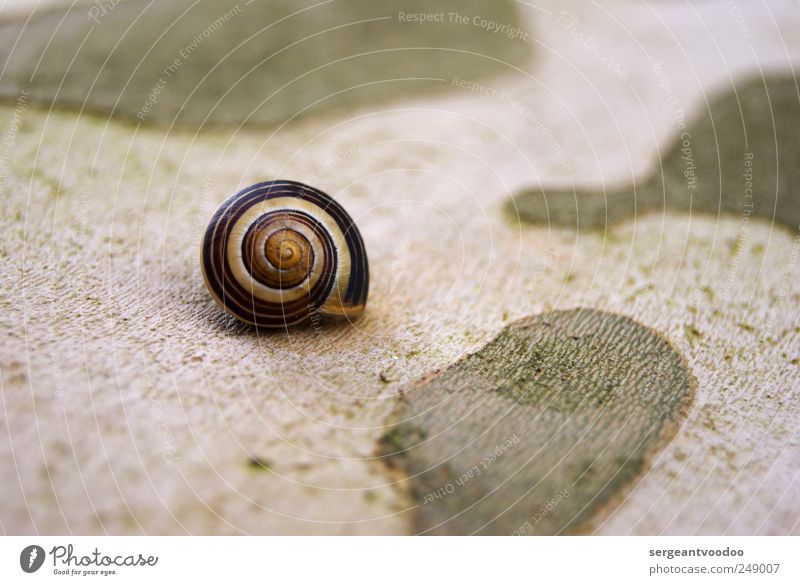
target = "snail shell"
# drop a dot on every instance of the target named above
(276, 253)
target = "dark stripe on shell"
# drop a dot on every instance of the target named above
(358, 283)
(240, 301)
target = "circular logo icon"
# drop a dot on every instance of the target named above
(31, 558)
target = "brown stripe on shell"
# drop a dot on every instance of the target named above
(240, 299)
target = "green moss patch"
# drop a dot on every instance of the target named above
(541, 428)
(739, 157)
(231, 62)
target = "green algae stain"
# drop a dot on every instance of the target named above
(224, 62)
(693, 334)
(538, 430)
(739, 158)
(259, 464)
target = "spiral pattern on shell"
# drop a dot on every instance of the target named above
(278, 252)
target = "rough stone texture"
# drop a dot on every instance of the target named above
(130, 404)
(541, 428)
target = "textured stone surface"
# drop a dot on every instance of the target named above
(130, 404)
(538, 430)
